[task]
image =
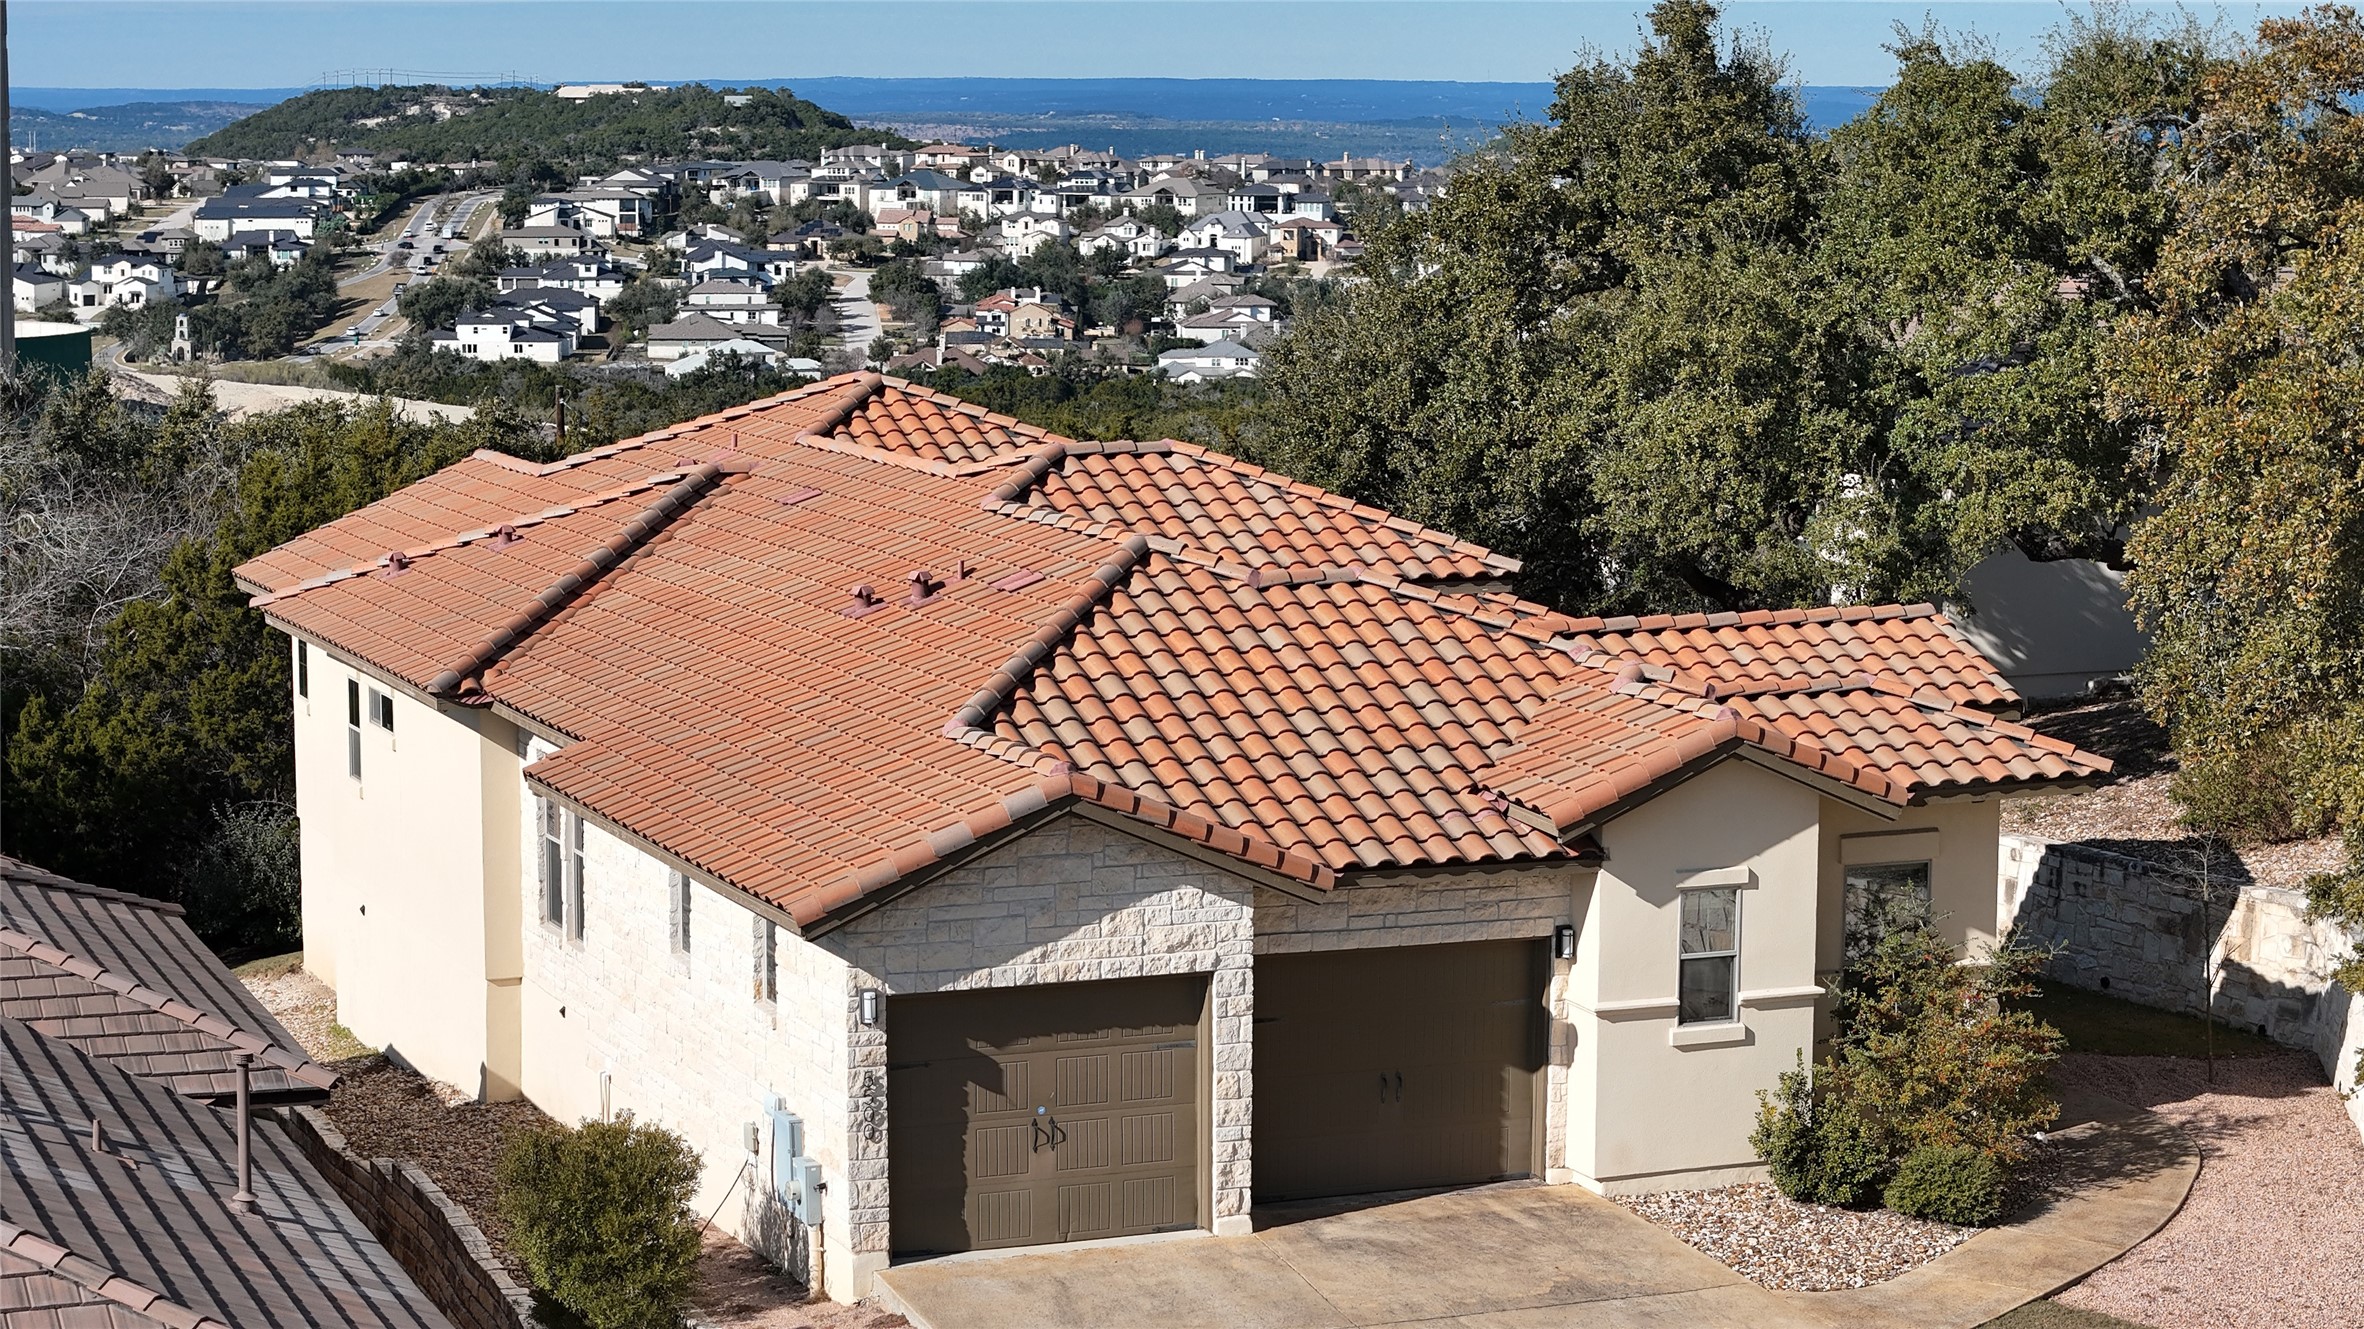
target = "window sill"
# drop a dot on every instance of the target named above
(1723, 1034)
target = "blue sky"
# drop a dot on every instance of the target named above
(291, 43)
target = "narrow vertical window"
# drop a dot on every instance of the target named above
(1710, 956)
(682, 890)
(574, 876)
(381, 710)
(553, 861)
(353, 727)
(303, 669)
(767, 959)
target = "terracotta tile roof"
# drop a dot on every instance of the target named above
(143, 1233)
(124, 979)
(1914, 647)
(1235, 657)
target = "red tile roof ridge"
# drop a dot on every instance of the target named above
(97, 1279)
(1622, 623)
(852, 391)
(615, 549)
(890, 457)
(18, 870)
(1010, 493)
(1502, 563)
(265, 1050)
(975, 412)
(1046, 640)
(522, 521)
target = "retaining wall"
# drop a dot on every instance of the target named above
(431, 1237)
(2147, 933)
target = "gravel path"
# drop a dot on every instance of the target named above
(2273, 1234)
(1768, 1238)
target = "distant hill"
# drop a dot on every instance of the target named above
(130, 127)
(433, 123)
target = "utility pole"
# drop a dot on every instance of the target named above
(7, 215)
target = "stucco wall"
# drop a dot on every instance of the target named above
(1654, 1104)
(2051, 627)
(396, 913)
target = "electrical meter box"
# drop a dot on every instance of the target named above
(803, 1193)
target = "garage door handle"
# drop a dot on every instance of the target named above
(1399, 1086)
(1382, 1086)
(1041, 1136)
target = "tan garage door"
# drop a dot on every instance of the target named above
(1029, 1115)
(1398, 1068)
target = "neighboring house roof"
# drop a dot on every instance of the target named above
(1241, 661)
(696, 328)
(123, 978)
(143, 1234)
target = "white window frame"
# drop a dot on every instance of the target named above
(550, 824)
(574, 876)
(353, 729)
(381, 709)
(767, 961)
(1848, 897)
(680, 891)
(1716, 883)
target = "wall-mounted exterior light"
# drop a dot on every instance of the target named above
(870, 1007)
(1563, 942)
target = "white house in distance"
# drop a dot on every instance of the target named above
(1217, 359)
(1034, 848)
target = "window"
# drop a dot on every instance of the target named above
(682, 889)
(562, 867)
(1710, 986)
(381, 710)
(353, 727)
(1882, 898)
(767, 959)
(303, 669)
(553, 820)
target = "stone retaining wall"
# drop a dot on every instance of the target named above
(2146, 933)
(431, 1237)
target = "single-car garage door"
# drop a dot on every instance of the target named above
(1019, 1116)
(1398, 1068)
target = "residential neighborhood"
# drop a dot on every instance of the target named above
(1309, 666)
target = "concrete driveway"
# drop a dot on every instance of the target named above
(1527, 1256)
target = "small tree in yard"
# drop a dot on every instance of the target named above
(600, 1215)
(1932, 1092)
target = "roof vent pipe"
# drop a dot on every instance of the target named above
(243, 1201)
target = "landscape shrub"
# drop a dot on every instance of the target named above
(1818, 1152)
(1948, 1184)
(1931, 1058)
(599, 1213)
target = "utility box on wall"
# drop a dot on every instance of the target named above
(796, 1179)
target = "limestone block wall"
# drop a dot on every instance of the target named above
(622, 1021)
(2148, 934)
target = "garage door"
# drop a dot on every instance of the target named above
(1392, 1069)
(1029, 1115)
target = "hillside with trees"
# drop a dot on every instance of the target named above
(435, 123)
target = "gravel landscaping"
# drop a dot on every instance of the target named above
(1770, 1239)
(2273, 1234)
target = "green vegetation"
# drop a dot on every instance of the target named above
(1674, 351)
(599, 1214)
(1935, 1064)
(266, 311)
(519, 126)
(2239, 369)
(2053, 1315)
(144, 704)
(2107, 1026)
(1081, 404)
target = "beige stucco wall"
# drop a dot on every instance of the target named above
(396, 914)
(1651, 1107)
(1962, 862)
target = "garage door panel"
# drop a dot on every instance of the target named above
(1065, 1112)
(1397, 1068)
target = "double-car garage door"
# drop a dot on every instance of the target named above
(1023, 1116)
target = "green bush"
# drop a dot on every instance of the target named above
(1930, 1056)
(1948, 1184)
(1818, 1152)
(600, 1215)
